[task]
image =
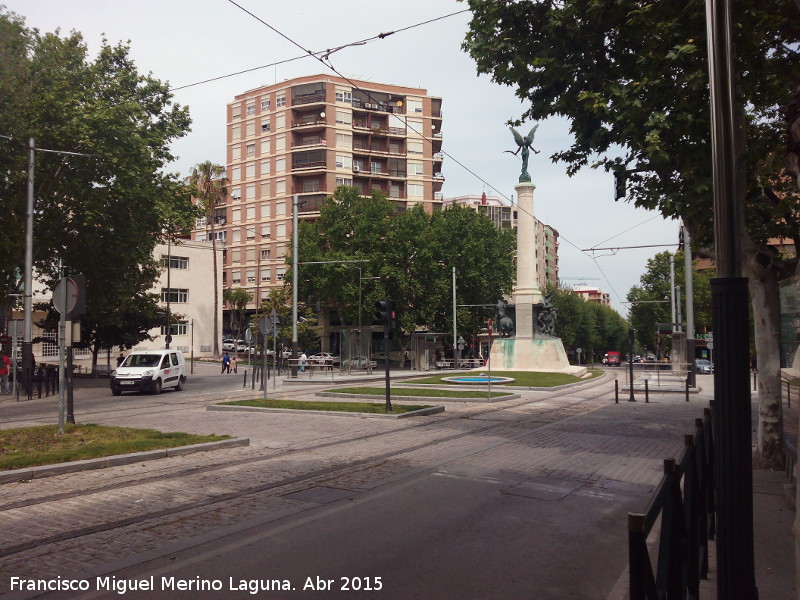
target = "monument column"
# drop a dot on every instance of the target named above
(526, 292)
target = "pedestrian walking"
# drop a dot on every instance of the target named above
(233, 364)
(5, 366)
(226, 363)
(120, 359)
(303, 359)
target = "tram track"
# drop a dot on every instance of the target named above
(534, 420)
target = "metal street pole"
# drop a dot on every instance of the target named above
(631, 334)
(455, 335)
(295, 200)
(733, 435)
(27, 325)
(689, 289)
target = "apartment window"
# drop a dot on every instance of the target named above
(236, 173)
(415, 127)
(280, 100)
(414, 146)
(250, 193)
(200, 223)
(415, 168)
(280, 143)
(415, 190)
(179, 328)
(264, 104)
(264, 168)
(265, 189)
(251, 275)
(175, 262)
(280, 274)
(280, 164)
(414, 105)
(250, 255)
(251, 108)
(250, 232)
(250, 170)
(265, 127)
(175, 295)
(348, 181)
(236, 152)
(280, 186)
(344, 161)
(280, 121)
(220, 236)
(344, 140)
(281, 231)
(264, 210)
(266, 274)
(236, 111)
(236, 132)
(265, 254)
(236, 256)
(236, 193)
(236, 277)
(251, 128)
(344, 117)
(236, 215)
(251, 149)
(344, 95)
(236, 236)
(280, 209)
(251, 212)
(265, 147)
(266, 231)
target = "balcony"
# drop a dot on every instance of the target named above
(309, 166)
(309, 99)
(310, 123)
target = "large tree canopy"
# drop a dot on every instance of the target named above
(102, 214)
(409, 257)
(632, 78)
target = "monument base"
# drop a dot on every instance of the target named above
(532, 354)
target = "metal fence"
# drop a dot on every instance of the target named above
(683, 503)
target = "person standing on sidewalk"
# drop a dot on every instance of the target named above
(233, 365)
(303, 359)
(5, 366)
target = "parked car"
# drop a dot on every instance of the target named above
(324, 358)
(358, 362)
(231, 345)
(149, 371)
(703, 366)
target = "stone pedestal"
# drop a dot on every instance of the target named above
(532, 354)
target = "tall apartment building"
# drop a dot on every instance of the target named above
(504, 216)
(306, 136)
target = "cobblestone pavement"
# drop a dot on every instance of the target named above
(80, 524)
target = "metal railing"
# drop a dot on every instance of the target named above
(684, 502)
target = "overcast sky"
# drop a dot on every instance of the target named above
(188, 41)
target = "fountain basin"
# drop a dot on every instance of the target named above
(477, 379)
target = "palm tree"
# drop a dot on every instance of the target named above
(210, 188)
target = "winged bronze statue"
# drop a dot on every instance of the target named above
(525, 146)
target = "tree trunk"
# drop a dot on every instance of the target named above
(758, 266)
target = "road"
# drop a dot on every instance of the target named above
(523, 498)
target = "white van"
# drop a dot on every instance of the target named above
(149, 371)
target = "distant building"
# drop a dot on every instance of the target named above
(191, 297)
(504, 216)
(592, 294)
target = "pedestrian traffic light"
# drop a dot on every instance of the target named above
(392, 317)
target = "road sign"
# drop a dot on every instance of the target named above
(72, 295)
(264, 325)
(710, 345)
(248, 336)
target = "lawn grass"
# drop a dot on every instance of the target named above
(521, 378)
(359, 407)
(424, 392)
(44, 445)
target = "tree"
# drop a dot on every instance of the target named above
(412, 253)
(237, 299)
(101, 210)
(210, 186)
(632, 78)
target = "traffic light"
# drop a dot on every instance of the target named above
(620, 183)
(386, 314)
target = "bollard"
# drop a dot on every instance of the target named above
(755, 386)
(687, 389)
(789, 394)
(245, 378)
(646, 391)
(616, 391)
